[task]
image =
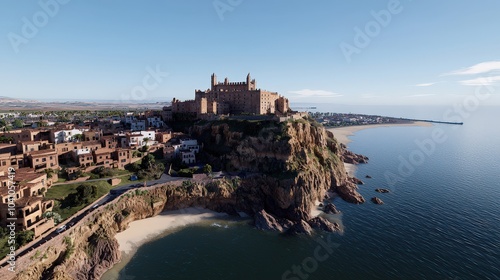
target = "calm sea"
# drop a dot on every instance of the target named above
(441, 219)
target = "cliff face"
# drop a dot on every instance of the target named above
(289, 166)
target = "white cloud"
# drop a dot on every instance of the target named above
(481, 81)
(314, 93)
(425, 84)
(480, 68)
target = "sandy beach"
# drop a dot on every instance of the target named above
(342, 134)
(141, 231)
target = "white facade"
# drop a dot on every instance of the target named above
(190, 144)
(188, 157)
(82, 151)
(129, 118)
(141, 138)
(62, 136)
(138, 125)
(155, 122)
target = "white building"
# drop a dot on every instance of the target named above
(156, 122)
(139, 138)
(188, 157)
(138, 125)
(61, 136)
(190, 144)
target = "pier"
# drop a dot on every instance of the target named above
(433, 121)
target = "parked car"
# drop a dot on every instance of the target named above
(61, 229)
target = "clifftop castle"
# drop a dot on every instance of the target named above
(233, 98)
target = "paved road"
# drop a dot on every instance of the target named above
(114, 193)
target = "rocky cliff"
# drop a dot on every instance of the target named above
(288, 166)
(283, 168)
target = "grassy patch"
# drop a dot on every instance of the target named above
(60, 192)
(61, 180)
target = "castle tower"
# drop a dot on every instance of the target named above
(214, 80)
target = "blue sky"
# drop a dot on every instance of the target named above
(428, 52)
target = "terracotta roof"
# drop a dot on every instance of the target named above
(103, 151)
(25, 176)
(43, 152)
(27, 200)
(94, 142)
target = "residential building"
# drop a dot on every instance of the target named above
(122, 157)
(29, 205)
(138, 125)
(103, 156)
(187, 156)
(190, 144)
(66, 135)
(43, 159)
(155, 121)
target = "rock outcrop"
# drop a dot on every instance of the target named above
(330, 208)
(377, 200)
(265, 221)
(323, 224)
(382, 190)
(352, 158)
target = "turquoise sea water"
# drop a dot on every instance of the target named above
(440, 221)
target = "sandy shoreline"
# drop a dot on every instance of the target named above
(342, 134)
(142, 231)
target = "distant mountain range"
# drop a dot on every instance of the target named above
(9, 103)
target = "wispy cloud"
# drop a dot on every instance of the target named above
(480, 68)
(314, 93)
(425, 84)
(481, 81)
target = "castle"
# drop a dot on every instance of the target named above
(233, 98)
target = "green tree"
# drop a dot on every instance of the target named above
(3, 123)
(207, 169)
(53, 215)
(78, 137)
(18, 123)
(49, 172)
(24, 237)
(83, 195)
(4, 139)
(148, 162)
